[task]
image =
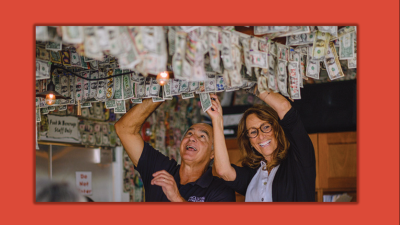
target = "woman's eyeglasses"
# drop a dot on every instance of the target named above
(253, 132)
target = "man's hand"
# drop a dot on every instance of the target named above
(167, 182)
(215, 112)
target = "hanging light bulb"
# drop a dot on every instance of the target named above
(162, 78)
(50, 95)
(50, 99)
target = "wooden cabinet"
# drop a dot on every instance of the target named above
(336, 163)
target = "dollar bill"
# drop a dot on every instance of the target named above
(51, 108)
(134, 77)
(53, 46)
(72, 34)
(136, 101)
(187, 70)
(282, 52)
(127, 86)
(179, 56)
(259, 30)
(188, 29)
(44, 70)
(294, 80)
(44, 54)
(64, 83)
(93, 86)
(235, 78)
(205, 101)
(174, 87)
(62, 108)
(102, 37)
(272, 63)
(128, 60)
(210, 83)
(109, 84)
(44, 110)
(167, 89)
(258, 59)
(101, 87)
(202, 88)
(183, 86)
(187, 95)
(88, 59)
(296, 30)
(171, 40)
(345, 30)
(141, 87)
(41, 33)
(346, 46)
(120, 106)
(72, 92)
(246, 54)
(220, 84)
(86, 105)
(158, 99)
(154, 88)
(352, 63)
(55, 57)
(332, 30)
(313, 66)
(75, 58)
(213, 50)
(300, 39)
(85, 86)
(92, 47)
(193, 86)
(272, 48)
(118, 85)
(115, 44)
(282, 77)
(147, 83)
(226, 53)
(38, 116)
(332, 64)
(320, 45)
(262, 86)
(83, 63)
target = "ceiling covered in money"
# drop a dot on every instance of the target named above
(197, 59)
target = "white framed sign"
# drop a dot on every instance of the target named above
(84, 182)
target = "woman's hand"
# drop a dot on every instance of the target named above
(215, 112)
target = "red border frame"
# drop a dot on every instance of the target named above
(377, 100)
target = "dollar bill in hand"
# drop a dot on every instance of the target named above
(205, 101)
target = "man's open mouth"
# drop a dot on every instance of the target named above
(190, 148)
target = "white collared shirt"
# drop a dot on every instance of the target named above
(260, 187)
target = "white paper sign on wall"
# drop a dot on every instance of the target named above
(63, 127)
(84, 182)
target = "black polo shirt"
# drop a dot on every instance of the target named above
(206, 189)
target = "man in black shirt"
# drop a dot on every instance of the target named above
(164, 179)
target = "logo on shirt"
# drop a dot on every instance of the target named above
(196, 199)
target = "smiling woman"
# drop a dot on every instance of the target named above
(277, 154)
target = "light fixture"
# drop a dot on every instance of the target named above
(162, 78)
(51, 95)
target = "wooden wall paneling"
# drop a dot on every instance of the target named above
(337, 160)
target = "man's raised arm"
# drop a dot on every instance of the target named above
(129, 126)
